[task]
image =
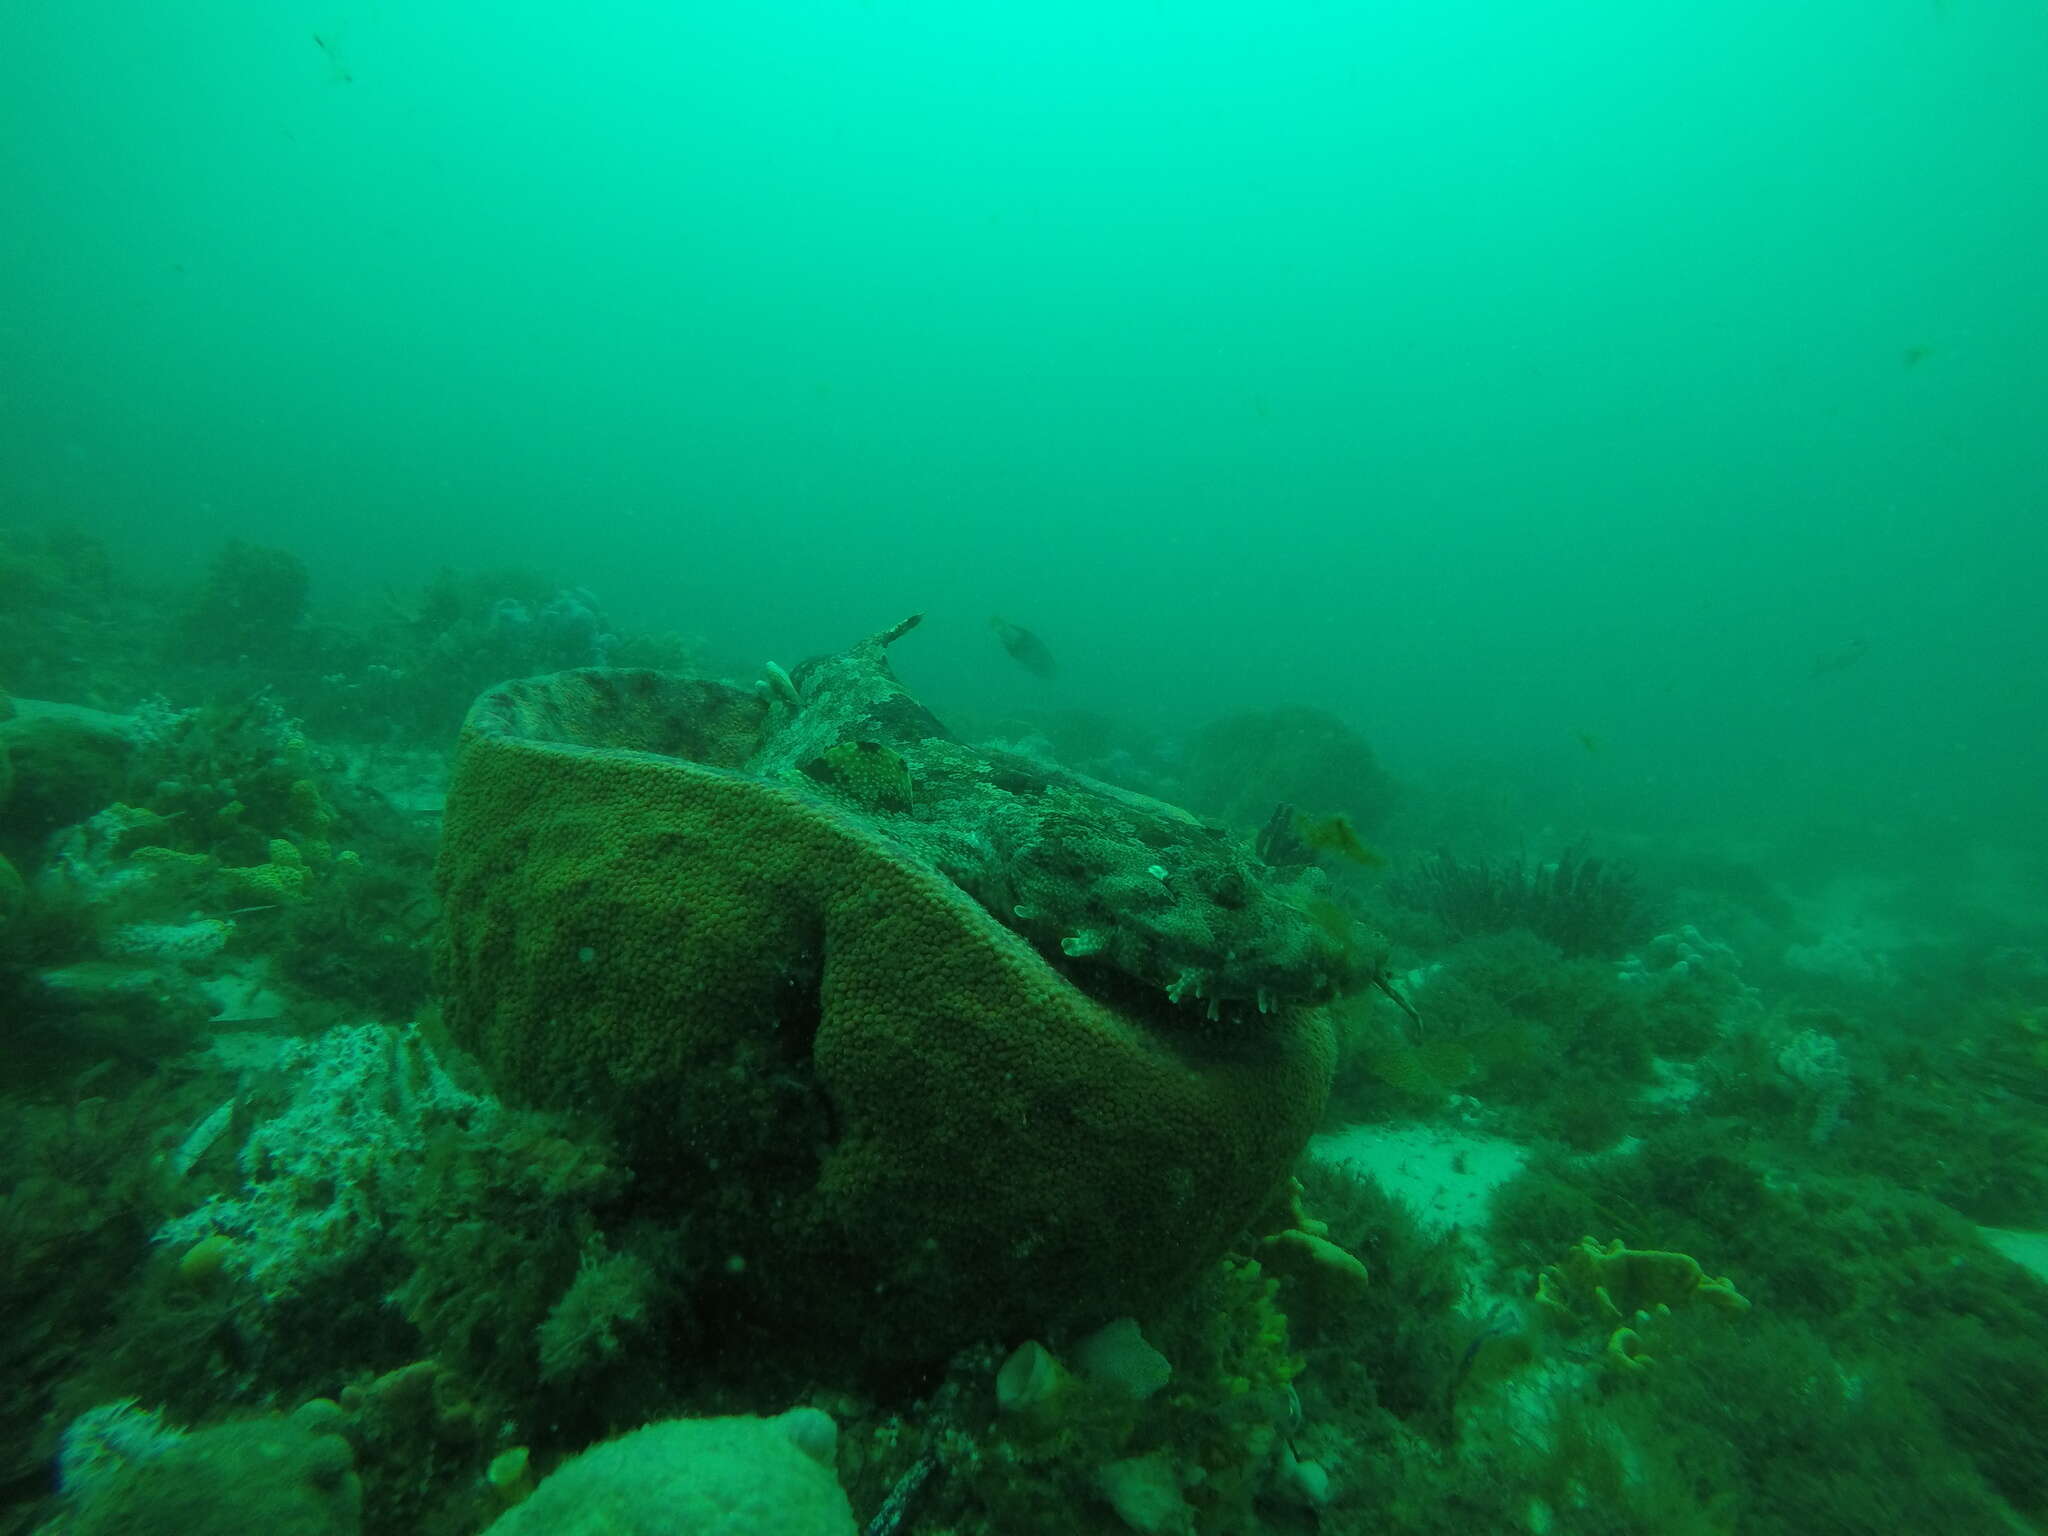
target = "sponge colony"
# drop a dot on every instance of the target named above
(695, 1477)
(911, 1128)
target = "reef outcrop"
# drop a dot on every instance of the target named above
(922, 1043)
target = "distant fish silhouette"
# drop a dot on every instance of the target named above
(1335, 835)
(1026, 648)
(341, 70)
(1916, 354)
(1592, 743)
(1841, 659)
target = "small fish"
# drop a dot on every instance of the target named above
(341, 70)
(1842, 659)
(1025, 648)
(1589, 741)
(1336, 836)
(1915, 355)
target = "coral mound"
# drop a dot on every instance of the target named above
(696, 1477)
(743, 928)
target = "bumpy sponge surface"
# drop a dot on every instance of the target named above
(695, 1477)
(890, 1120)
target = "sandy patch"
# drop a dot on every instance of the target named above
(1446, 1176)
(2029, 1250)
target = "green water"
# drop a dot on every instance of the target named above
(1491, 371)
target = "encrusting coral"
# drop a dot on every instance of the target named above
(1622, 1288)
(122, 1470)
(320, 1177)
(1029, 1050)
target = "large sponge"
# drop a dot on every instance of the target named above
(892, 1123)
(696, 1477)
